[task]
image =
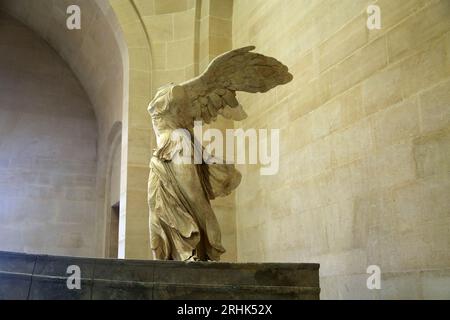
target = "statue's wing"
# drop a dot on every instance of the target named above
(214, 91)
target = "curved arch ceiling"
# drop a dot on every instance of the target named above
(97, 53)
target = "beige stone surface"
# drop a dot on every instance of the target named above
(364, 127)
(131, 59)
(48, 155)
(164, 39)
(97, 54)
(183, 225)
(205, 44)
(364, 167)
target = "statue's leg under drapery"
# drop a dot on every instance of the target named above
(182, 222)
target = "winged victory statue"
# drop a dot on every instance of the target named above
(183, 225)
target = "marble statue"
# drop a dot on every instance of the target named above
(183, 226)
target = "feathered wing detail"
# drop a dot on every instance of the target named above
(214, 92)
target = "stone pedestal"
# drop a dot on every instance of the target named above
(24, 276)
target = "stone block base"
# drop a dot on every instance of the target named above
(25, 276)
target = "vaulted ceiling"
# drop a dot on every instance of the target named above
(97, 53)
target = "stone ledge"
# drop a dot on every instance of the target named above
(24, 276)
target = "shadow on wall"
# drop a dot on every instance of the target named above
(110, 226)
(98, 56)
(48, 149)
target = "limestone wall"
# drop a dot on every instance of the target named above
(365, 134)
(365, 140)
(98, 56)
(48, 155)
(214, 38)
(168, 41)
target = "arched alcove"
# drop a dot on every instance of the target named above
(112, 194)
(124, 51)
(97, 54)
(48, 149)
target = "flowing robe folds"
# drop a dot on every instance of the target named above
(182, 223)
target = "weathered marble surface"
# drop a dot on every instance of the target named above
(24, 276)
(365, 140)
(183, 225)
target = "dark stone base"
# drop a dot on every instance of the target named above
(40, 277)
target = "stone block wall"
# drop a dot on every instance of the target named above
(48, 155)
(169, 41)
(98, 56)
(365, 140)
(364, 163)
